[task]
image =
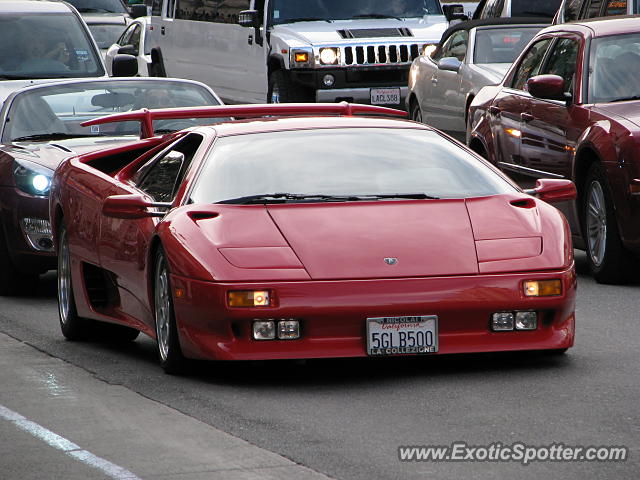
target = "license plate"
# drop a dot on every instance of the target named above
(385, 96)
(402, 335)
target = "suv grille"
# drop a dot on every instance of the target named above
(379, 54)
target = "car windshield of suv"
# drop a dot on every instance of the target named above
(288, 11)
(55, 112)
(501, 45)
(106, 35)
(46, 46)
(342, 164)
(614, 67)
(98, 6)
(536, 8)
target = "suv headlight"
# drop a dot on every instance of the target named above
(32, 178)
(329, 56)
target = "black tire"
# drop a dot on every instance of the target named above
(8, 272)
(416, 113)
(156, 70)
(608, 259)
(72, 326)
(282, 90)
(169, 352)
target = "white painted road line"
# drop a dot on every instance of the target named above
(56, 441)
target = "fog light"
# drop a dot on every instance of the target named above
(288, 329)
(526, 320)
(264, 330)
(542, 288)
(502, 321)
(328, 80)
(249, 298)
(36, 226)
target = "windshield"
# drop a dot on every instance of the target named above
(57, 111)
(344, 162)
(614, 67)
(284, 11)
(46, 46)
(98, 6)
(106, 35)
(537, 8)
(501, 45)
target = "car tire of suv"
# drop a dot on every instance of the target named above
(73, 327)
(608, 259)
(169, 352)
(416, 113)
(283, 90)
(8, 272)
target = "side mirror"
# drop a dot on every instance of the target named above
(128, 50)
(549, 87)
(249, 18)
(139, 10)
(554, 190)
(454, 12)
(124, 65)
(450, 64)
(130, 207)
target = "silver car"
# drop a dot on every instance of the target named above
(469, 56)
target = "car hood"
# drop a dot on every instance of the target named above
(629, 111)
(494, 72)
(427, 28)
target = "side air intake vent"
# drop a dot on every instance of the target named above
(375, 33)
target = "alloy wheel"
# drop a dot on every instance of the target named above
(162, 308)
(596, 220)
(65, 293)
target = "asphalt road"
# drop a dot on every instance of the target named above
(347, 418)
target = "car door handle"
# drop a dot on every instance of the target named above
(527, 117)
(493, 110)
(162, 30)
(434, 80)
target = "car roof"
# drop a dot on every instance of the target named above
(276, 124)
(601, 26)
(495, 22)
(33, 6)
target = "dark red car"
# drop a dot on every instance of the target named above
(569, 108)
(314, 236)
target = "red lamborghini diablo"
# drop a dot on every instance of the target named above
(304, 231)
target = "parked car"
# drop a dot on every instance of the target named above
(226, 242)
(572, 10)
(133, 41)
(45, 40)
(40, 126)
(516, 8)
(106, 19)
(470, 55)
(293, 51)
(569, 109)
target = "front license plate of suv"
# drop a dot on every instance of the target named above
(402, 335)
(385, 96)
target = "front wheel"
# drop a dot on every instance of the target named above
(73, 327)
(169, 351)
(282, 90)
(608, 259)
(416, 111)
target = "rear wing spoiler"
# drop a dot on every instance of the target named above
(146, 117)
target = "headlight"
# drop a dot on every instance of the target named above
(328, 56)
(32, 178)
(429, 48)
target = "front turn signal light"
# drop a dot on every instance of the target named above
(542, 288)
(249, 298)
(302, 57)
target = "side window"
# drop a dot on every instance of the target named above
(124, 38)
(616, 7)
(530, 64)
(572, 10)
(562, 61)
(454, 46)
(161, 177)
(593, 10)
(135, 38)
(156, 8)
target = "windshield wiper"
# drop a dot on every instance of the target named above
(296, 197)
(624, 99)
(305, 19)
(53, 136)
(376, 15)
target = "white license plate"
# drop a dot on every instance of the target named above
(402, 335)
(385, 96)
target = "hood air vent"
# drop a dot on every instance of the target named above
(375, 33)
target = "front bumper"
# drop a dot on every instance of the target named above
(14, 206)
(333, 315)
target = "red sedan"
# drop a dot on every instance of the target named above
(308, 237)
(569, 108)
